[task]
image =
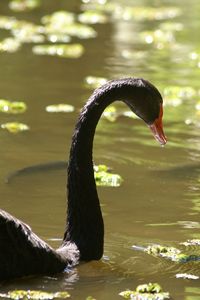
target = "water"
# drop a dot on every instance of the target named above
(158, 201)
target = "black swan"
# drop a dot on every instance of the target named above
(24, 253)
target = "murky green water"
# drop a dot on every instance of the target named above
(159, 200)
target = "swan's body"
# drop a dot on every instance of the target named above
(21, 251)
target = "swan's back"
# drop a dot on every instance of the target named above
(24, 253)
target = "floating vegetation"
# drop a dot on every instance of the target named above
(187, 276)
(15, 127)
(66, 108)
(62, 50)
(62, 22)
(58, 19)
(174, 95)
(16, 107)
(193, 242)
(92, 17)
(35, 295)
(142, 13)
(111, 113)
(104, 177)
(26, 32)
(150, 291)
(24, 5)
(170, 253)
(10, 45)
(94, 82)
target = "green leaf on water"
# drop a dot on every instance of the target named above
(24, 5)
(35, 295)
(10, 45)
(60, 108)
(150, 291)
(61, 50)
(170, 253)
(26, 32)
(92, 17)
(59, 19)
(15, 127)
(16, 107)
(104, 177)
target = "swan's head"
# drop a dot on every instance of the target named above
(147, 103)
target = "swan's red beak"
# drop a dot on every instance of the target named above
(157, 128)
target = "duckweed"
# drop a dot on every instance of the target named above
(15, 127)
(15, 107)
(10, 45)
(92, 17)
(60, 108)
(61, 50)
(24, 5)
(150, 291)
(104, 177)
(35, 295)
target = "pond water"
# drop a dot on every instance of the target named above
(159, 199)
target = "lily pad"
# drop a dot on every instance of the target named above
(10, 45)
(150, 291)
(15, 107)
(60, 108)
(61, 50)
(94, 82)
(104, 177)
(15, 127)
(35, 295)
(24, 5)
(92, 17)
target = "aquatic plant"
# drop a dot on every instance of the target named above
(104, 177)
(94, 82)
(15, 107)
(15, 127)
(60, 108)
(150, 291)
(23, 5)
(33, 295)
(61, 50)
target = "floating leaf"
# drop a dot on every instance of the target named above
(15, 107)
(187, 276)
(104, 177)
(10, 45)
(62, 50)
(150, 291)
(15, 127)
(62, 22)
(95, 82)
(23, 5)
(171, 253)
(92, 17)
(60, 108)
(59, 19)
(26, 32)
(7, 22)
(35, 295)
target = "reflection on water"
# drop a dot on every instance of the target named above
(159, 200)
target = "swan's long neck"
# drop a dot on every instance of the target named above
(84, 220)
